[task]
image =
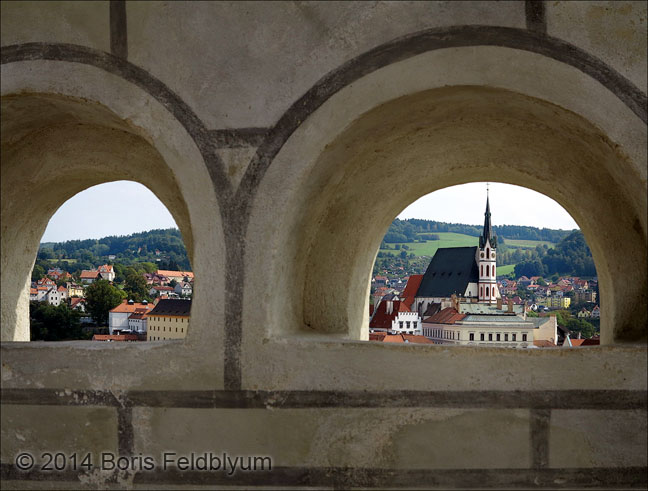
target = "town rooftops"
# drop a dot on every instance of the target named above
(172, 306)
(128, 308)
(450, 271)
(88, 274)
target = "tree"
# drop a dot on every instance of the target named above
(172, 283)
(49, 323)
(101, 297)
(135, 286)
(38, 272)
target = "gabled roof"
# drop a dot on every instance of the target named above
(413, 284)
(127, 308)
(450, 271)
(89, 274)
(172, 306)
(383, 320)
(448, 315)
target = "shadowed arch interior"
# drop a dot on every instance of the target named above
(406, 148)
(54, 147)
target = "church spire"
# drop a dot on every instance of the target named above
(487, 233)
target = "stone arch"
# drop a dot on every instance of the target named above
(421, 142)
(55, 146)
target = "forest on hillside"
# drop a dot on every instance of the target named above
(409, 231)
(162, 247)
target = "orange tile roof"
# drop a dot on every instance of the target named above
(393, 338)
(62, 288)
(33, 291)
(544, 343)
(88, 274)
(167, 272)
(449, 315)
(413, 338)
(126, 308)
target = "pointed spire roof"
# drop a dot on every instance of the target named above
(487, 234)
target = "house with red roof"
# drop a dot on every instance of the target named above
(395, 316)
(118, 317)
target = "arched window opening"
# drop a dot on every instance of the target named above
(544, 273)
(111, 266)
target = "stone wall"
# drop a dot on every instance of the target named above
(275, 133)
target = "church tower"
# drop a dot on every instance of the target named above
(487, 261)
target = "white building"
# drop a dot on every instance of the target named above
(184, 288)
(407, 323)
(481, 324)
(57, 295)
(118, 317)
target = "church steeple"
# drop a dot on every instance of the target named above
(487, 260)
(487, 233)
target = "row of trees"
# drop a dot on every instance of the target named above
(408, 230)
(571, 256)
(127, 249)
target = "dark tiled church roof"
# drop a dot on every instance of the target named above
(450, 271)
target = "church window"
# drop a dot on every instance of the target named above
(487, 252)
(482, 270)
(487, 292)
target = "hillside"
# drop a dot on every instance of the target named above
(409, 244)
(163, 247)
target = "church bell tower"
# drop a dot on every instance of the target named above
(487, 261)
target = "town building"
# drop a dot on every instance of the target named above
(118, 317)
(169, 320)
(394, 316)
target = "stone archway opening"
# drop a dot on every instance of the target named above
(410, 146)
(54, 147)
(435, 276)
(110, 255)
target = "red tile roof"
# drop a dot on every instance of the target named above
(411, 288)
(381, 319)
(62, 288)
(544, 343)
(412, 338)
(33, 291)
(377, 336)
(88, 274)
(448, 315)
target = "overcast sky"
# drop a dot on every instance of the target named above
(113, 208)
(124, 207)
(510, 205)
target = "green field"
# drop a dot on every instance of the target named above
(450, 239)
(505, 270)
(55, 261)
(527, 244)
(447, 239)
